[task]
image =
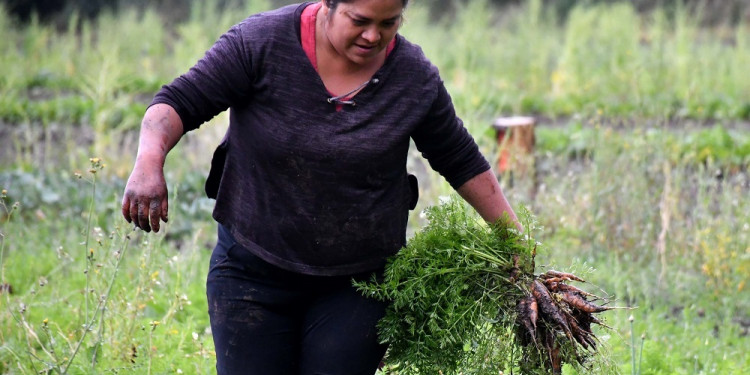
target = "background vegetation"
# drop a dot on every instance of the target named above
(641, 179)
(59, 11)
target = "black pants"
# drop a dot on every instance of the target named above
(269, 321)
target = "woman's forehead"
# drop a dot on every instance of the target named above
(373, 9)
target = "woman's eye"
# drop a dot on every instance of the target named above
(359, 22)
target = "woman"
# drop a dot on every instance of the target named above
(310, 181)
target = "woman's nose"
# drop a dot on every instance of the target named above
(371, 35)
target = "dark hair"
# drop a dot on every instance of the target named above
(332, 4)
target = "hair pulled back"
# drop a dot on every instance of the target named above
(332, 4)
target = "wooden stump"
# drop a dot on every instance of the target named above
(515, 142)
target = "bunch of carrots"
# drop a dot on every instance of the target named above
(553, 307)
(464, 298)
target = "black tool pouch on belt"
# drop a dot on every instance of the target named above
(414, 190)
(217, 168)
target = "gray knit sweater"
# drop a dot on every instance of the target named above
(304, 186)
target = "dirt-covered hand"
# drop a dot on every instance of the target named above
(144, 202)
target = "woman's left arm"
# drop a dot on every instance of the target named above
(483, 192)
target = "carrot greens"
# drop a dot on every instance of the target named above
(461, 298)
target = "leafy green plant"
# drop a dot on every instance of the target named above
(454, 292)
(717, 145)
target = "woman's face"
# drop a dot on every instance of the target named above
(360, 30)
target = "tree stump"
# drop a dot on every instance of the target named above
(515, 145)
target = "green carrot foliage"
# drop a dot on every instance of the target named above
(453, 300)
(450, 292)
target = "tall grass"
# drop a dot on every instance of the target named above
(603, 58)
(514, 60)
(664, 233)
(90, 295)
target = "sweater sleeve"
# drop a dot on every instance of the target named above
(446, 144)
(217, 81)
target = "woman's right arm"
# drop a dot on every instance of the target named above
(144, 202)
(222, 77)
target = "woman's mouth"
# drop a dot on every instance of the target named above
(365, 48)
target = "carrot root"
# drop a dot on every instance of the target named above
(562, 275)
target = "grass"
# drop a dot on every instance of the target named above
(91, 295)
(634, 192)
(519, 60)
(657, 228)
(605, 58)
